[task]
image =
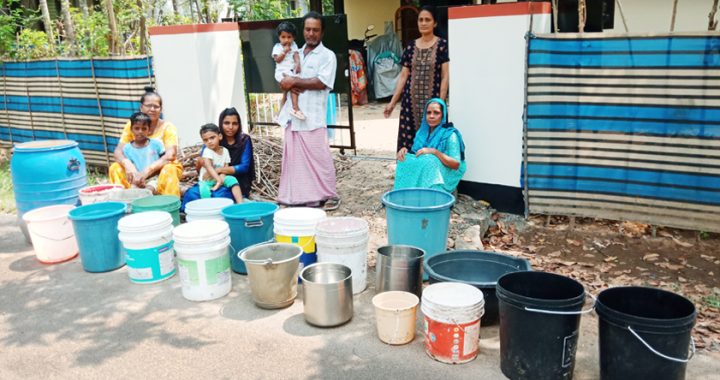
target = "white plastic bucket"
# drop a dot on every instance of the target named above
(297, 225)
(395, 316)
(51, 233)
(344, 240)
(452, 321)
(203, 259)
(148, 244)
(97, 193)
(127, 196)
(206, 209)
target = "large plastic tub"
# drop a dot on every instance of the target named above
(481, 269)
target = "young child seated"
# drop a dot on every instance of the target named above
(142, 151)
(287, 62)
(215, 157)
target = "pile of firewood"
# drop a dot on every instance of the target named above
(267, 151)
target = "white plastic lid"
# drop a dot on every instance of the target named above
(145, 221)
(342, 227)
(453, 294)
(207, 206)
(201, 231)
(300, 216)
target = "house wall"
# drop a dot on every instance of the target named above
(653, 16)
(361, 13)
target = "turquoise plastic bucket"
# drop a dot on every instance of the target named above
(418, 218)
(250, 223)
(96, 231)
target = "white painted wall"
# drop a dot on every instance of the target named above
(487, 86)
(654, 16)
(198, 75)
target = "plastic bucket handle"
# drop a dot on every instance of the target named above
(555, 312)
(55, 239)
(660, 354)
(254, 223)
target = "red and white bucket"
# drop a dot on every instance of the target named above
(452, 321)
(97, 193)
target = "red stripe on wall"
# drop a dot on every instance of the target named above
(504, 9)
(192, 28)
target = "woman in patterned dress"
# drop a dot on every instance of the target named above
(424, 76)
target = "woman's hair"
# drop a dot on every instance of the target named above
(229, 112)
(430, 9)
(287, 28)
(150, 91)
(209, 127)
(139, 117)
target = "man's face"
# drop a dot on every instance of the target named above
(312, 31)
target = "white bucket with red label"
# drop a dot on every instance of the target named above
(452, 321)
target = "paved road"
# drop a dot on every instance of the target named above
(57, 321)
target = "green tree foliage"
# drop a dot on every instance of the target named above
(256, 10)
(13, 19)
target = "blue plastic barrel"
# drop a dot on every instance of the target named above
(419, 218)
(46, 173)
(96, 231)
(250, 223)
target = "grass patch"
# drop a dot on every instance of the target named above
(713, 300)
(7, 199)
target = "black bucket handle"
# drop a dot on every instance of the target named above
(555, 312)
(660, 354)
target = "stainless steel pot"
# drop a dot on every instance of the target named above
(399, 267)
(272, 271)
(327, 294)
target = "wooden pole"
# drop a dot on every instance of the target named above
(712, 23)
(622, 15)
(674, 14)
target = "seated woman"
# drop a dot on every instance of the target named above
(437, 157)
(123, 171)
(242, 161)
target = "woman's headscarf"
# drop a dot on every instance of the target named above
(441, 133)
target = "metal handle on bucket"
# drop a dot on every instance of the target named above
(254, 223)
(555, 312)
(660, 354)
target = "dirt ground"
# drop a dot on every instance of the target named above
(598, 253)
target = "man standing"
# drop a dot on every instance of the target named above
(308, 172)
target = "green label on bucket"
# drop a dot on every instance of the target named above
(217, 270)
(188, 271)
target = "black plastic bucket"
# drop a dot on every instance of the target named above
(539, 324)
(480, 269)
(644, 333)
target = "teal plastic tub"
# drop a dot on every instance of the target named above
(250, 223)
(96, 231)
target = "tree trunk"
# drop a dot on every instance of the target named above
(143, 31)
(175, 7)
(47, 22)
(68, 23)
(83, 7)
(112, 23)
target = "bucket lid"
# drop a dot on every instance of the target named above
(207, 206)
(200, 231)
(146, 221)
(157, 201)
(342, 227)
(46, 214)
(44, 145)
(97, 211)
(453, 294)
(418, 199)
(248, 210)
(300, 216)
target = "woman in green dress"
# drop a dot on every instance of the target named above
(437, 157)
